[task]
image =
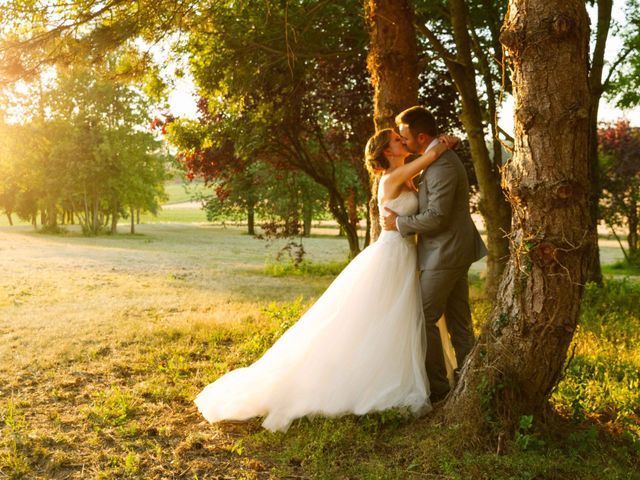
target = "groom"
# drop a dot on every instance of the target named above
(448, 243)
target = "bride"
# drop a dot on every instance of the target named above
(361, 346)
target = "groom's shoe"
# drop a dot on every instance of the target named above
(436, 398)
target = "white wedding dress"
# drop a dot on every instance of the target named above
(360, 348)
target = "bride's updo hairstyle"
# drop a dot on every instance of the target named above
(374, 157)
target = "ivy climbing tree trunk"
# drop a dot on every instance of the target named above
(522, 350)
(393, 66)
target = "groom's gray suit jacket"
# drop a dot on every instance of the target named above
(447, 236)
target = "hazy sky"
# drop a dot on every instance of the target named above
(182, 102)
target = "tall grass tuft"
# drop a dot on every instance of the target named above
(602, 380)
(304, 268)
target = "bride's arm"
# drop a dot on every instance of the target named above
(406, 172)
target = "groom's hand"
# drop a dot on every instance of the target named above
(390, 220)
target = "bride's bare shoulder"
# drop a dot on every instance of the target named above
(386, 195)
(386, 191)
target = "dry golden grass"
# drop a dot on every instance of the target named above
(105, 341)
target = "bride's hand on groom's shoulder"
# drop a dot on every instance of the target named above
(451, 141)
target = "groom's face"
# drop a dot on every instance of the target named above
(410, 142)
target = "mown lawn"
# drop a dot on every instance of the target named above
(179, 191)
(105, 341)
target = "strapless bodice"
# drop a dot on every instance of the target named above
(404, 204)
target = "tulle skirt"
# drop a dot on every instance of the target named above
(360, 348)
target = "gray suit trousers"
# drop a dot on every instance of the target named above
(446, 291)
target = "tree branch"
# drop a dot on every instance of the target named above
(438, 46)
(284, 54)
(621, 58)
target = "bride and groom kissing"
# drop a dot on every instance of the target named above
(373, 340)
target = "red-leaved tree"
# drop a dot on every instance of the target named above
(620, 164)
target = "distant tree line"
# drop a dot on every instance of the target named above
(80, 155)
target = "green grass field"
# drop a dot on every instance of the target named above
(180, 191)
(105, 341)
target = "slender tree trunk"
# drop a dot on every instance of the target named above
(493, 205)
(367, 235)
(8, 214)
(596, 89)
(336, 206)
(50, 214)
(352, 209)
(393, 66)
(352, 237)
(632, 237)
(132, 230)
(86, 225)
(337, 203)
(95, 226)
(251, 220)
(307, 218)
(114, 221)
(522, 350)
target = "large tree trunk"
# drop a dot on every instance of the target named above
(393, 66)
(8, 214)
(493, 205)
(596, 89)
(521, 352)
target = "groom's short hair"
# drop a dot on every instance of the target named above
(419, 120)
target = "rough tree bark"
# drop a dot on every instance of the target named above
(492, 205)
(393, 66)
(522, 350)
